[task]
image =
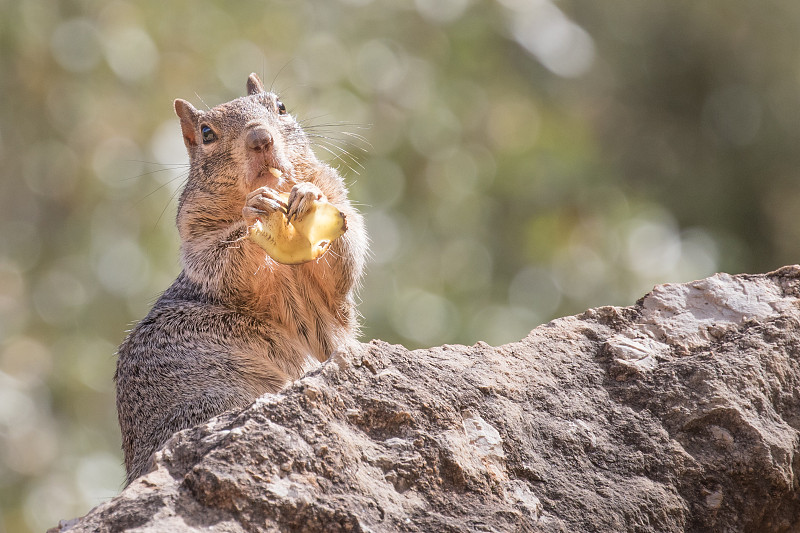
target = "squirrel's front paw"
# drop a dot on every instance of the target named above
(301, 198)
(260, 203)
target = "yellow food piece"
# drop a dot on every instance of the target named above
(304, 239)
(275, 172)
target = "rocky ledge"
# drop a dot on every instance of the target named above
(680, 413)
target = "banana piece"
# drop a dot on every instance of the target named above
(303, 239)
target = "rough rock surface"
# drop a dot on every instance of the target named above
(680, 413)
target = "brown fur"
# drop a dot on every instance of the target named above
(235, 324)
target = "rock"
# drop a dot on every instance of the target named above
(680, 413)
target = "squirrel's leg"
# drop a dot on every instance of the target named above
(344, 262)
(211, 383)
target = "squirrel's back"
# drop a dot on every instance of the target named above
(235, 324)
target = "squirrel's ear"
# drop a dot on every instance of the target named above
(189, 117)
(254, 85)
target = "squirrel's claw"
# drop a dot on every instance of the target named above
(301, 198)
(262, 202)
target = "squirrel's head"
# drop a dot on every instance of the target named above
(246, 143)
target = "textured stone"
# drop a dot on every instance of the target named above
(680, 413)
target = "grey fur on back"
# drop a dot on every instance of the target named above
(235, 324)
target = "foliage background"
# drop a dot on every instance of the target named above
(524, 159)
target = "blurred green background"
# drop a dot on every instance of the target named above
(524, 159)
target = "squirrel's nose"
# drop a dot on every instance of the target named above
(258, 139)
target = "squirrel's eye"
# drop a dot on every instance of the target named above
(208, 134)
(281, 107)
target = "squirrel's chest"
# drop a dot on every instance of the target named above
(302, 308)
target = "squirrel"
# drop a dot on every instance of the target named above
(235, 324)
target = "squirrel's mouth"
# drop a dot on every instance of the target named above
(278, 177)
(270, 175)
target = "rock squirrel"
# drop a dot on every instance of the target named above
(235, 324)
